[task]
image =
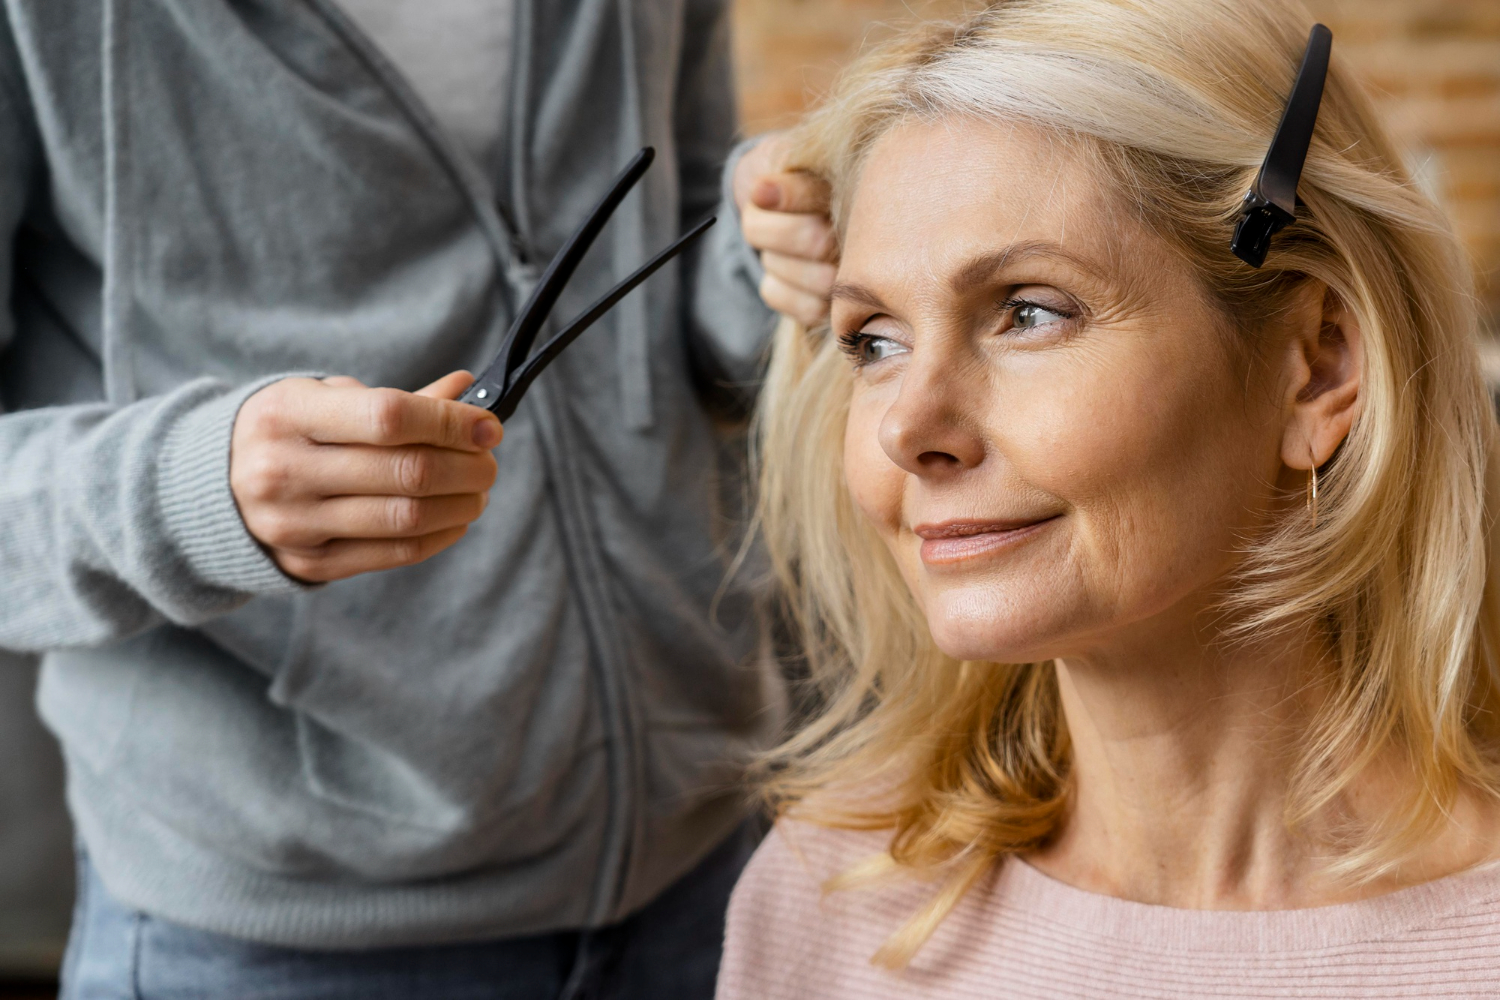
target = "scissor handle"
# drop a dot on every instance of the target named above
(521, 381)
(495, 380)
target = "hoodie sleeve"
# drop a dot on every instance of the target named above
(112, 518)
(729, 324)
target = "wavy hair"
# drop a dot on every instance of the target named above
(1174, 102)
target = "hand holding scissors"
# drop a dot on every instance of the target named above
(335, 479)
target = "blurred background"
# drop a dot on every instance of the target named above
(1433, 65)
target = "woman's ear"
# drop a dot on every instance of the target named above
(1326, 360)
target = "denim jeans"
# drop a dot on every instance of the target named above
(667, 951)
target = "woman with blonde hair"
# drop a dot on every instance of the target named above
(1145, 580)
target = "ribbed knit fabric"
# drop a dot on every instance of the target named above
(1021, 934)
(197, 506)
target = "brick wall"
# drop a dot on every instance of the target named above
(1433, 65)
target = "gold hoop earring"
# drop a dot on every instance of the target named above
(1312, 493)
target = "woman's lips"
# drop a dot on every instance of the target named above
(956, 541)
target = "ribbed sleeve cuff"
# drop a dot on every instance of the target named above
(198, 509)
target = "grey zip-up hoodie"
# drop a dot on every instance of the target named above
(541, 727)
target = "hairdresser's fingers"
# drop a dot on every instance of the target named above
(344, 557)
(303, 530)
(316, 472)
(807, 235)
(812, 276)
(303, 409)
(372, 518)
(386, 417)
(791, 191)
(279, 482)
(764, 158)
(802, 306)
(450, 386)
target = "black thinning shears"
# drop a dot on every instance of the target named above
(500, 387)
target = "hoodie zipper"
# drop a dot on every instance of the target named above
(586, 565)
(580, 545)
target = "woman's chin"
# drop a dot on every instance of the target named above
(984, 626)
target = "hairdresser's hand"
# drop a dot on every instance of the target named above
(336, 479)
(784, 215)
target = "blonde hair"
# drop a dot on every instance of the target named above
(1174, 102)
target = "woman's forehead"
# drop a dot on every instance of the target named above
(950, 196)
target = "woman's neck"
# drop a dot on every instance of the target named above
(1182, 758)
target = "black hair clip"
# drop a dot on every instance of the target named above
(500, 386)
(1271, 202)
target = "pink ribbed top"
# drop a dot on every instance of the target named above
(1022, 934)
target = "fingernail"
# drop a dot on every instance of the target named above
(767, 195)
(486, 433)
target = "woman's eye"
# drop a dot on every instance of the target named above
(868, 348)
(1029, 315)
(878, 349)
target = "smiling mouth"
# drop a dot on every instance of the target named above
(958, 541)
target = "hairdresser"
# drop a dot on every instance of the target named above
(358, 700)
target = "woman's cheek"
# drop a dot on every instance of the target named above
(1079, 434)
(876, 484)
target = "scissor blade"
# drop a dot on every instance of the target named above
(544, 356)
(1282, 168)
(493, 381)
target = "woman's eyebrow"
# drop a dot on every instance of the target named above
(982, 269)
(976, 272)
(856, 293)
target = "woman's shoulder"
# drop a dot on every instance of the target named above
(799, 850)
(785, 936)
(787, 875)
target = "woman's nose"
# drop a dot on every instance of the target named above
(932, 429)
